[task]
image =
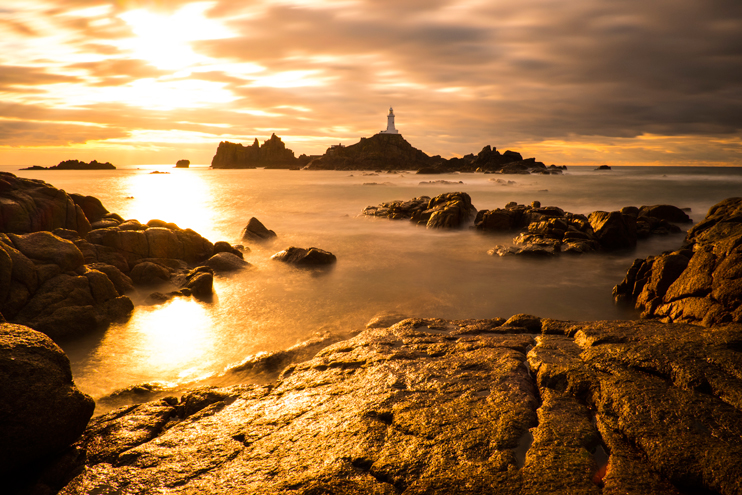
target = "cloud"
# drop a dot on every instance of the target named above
(460, 73)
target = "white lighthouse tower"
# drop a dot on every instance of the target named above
(390, 129)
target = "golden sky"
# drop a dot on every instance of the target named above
(570, 82)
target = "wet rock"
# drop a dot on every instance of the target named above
(594, 407)
(41, 410)
(225, 262)
(305, 257)
(701, 283)
(385, 319)
(123, 283)
(256, 231)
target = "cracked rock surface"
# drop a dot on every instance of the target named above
(433, 406)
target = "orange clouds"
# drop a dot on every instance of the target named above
(581, 82)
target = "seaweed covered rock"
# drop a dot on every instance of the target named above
(701, 282)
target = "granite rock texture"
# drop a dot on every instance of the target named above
(433, 406)
(702, 282)
(448, 210)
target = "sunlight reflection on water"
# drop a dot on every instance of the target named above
(382, 265)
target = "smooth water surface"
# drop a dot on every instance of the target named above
(383, 265)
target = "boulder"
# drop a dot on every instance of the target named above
(148, 273)
(613, 230)
(183, 164)
(225, 247)
(92, 207)
(226, 262)
(46, 247)
(305, 257)
(450, 210)
(123, 283)
(437, 406)
(42, 412)
(256, 231)
(669, 213)
(200, 283)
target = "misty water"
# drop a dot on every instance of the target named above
(383, 265)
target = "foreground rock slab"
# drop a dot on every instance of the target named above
(434, 406)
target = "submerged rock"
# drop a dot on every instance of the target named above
(523, 406)
(226, 262)
(305, 257)
(42, 412)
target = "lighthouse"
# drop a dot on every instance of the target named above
(390, 129)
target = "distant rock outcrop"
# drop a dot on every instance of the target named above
(379, 152)
(75, 165)
(272, 154)
(183, 164)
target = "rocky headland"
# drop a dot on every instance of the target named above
(75, 165)
(417, 406)
(271, 154)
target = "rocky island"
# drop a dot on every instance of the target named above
(271, 154)
(379, 152)
(511, 405)
(75, 165)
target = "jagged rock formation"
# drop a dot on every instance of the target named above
(551, 230)
(256, 231)
(434, 406)
(75, 165)
(66, 263)
(700, 283)
(272, 154)
(489, 160)
(42, 412)
(449, 210)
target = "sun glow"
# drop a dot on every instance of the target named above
(164, 41)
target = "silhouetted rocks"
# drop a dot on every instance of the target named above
(701, 283)
(272, 154)
(449, 210)
(42, 412)
(379, 152)
(603, 167)
(305, 257)
(256, 231)
(183, 164)
(532, 405)
(547, 231)
(75, 165)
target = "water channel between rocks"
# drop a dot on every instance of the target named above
(382, 265)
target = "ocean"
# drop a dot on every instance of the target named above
(383, 265)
